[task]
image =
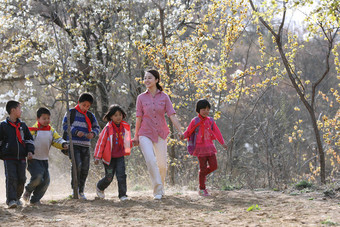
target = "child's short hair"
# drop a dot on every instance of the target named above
(11, 104)
(43, 110)
(112, 110)
(202, 104)
(86, 97)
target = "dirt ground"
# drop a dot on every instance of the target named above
(181, 208)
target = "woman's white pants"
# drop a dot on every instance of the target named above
(155, 155)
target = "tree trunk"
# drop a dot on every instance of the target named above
(172, 153)
(71, 149)
(295, 81)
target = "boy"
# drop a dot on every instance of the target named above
(84, 127)
(44, 136)
(16, 143)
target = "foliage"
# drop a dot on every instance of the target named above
(329, 222)
(204, 49)
(303, 184)
(287, 46)
(254, 207)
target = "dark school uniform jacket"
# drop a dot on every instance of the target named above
(10, 147)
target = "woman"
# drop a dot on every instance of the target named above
(152, 130)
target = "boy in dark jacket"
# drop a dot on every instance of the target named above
(16, 143)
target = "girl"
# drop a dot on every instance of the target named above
(113, 144)
(201, 132)
(152, 130)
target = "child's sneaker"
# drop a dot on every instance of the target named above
(123, 198)
(82, 196)
(100, 193)
(19, 203)
(203, 192)
(12, 204)
(157, 197)
(26, 196)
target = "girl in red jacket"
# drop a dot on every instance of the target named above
(201, 132)
(113, 144)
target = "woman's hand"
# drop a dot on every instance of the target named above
(96, 161)
(225, 146)
(135, 141)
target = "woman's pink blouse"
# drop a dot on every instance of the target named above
(152, 110)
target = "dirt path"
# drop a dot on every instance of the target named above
(181, 208)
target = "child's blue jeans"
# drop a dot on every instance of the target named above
(40, 179)
(117, 165)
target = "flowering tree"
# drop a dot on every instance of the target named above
(318, 25)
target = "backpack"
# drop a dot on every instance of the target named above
(73, 116)
(191, 144)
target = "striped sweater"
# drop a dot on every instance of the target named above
(79, 124)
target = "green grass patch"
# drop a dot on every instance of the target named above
(303, 184)
(329, 222)
(53, 201)
(227, 188)
(294, 193)
(253, 207)
(230, 187)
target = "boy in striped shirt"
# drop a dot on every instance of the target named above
(84, 127)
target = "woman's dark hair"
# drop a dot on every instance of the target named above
(112, 110)
(155, 73)
(202, 104)
(43, 110)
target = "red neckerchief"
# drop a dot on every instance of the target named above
(201, 129)
(119, 134)
(40, 128)
(87, 119)
(195, 126)
(17, 131)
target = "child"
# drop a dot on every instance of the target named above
(201, 132)
(44, 136)
(113, 144)
(84, 127)
(16, 143)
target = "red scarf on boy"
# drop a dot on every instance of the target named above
(17, 131)
(87, 119)
(40, 128)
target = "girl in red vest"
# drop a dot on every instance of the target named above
(113, 144)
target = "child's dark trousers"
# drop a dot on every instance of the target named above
(82, 158)
(40, 179)
(117, 166)
(15, 172)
